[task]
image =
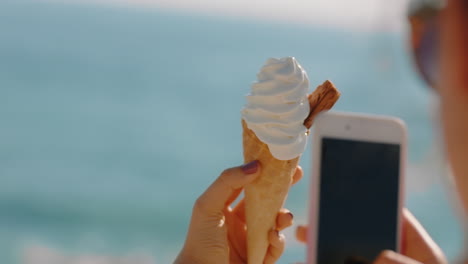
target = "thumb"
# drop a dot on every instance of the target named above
(228, 184)
(391, 257)
(417, 243)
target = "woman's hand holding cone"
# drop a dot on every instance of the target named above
(217, 232)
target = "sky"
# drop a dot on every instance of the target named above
(374, 15)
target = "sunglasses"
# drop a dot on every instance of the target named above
(425, 41)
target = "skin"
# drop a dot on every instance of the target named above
(217, 232)
(454, 92)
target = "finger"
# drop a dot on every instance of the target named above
(248, 167)
(228, 184)
(416, 243)
(239, 210)
(391, 257)
(233, 196)
(284, 219)
(297, 175)
(301, 233)
(276, 247)
(237, 236)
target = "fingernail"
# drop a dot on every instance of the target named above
(251, 167)
(291, 215)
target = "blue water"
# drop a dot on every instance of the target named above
(113, 120)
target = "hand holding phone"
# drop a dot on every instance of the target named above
(356, 194)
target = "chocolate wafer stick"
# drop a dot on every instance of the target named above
(322, 99)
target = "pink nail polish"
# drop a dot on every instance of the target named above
(251, 167)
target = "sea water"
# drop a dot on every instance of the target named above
(113, 120)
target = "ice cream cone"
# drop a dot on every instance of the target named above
(266, 195)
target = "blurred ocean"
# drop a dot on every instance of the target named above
(113, 120)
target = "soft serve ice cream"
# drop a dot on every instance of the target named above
(277, 107)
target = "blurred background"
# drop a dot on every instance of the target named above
(116, 114)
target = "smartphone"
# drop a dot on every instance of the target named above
(356, 187)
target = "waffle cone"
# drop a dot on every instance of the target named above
(266, 195)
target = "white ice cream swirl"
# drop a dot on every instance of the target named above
(277, 107)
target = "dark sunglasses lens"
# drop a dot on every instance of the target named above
(427, 55)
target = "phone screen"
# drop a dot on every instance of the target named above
(359, 193)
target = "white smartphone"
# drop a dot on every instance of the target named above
(356, 188)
